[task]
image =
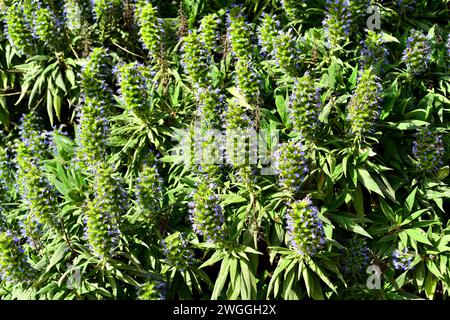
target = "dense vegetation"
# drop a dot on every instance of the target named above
(220, 149)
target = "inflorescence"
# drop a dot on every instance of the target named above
(305, 229)
(206, 213)
(365, 104)
(428, 149)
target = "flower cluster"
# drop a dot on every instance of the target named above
(176, 251)
(134, 87)
(32, 229)
(103, 212)
(428, 149)
(47, 27)
(208, 150)
(107, 13)
(153, 290)
(209, 32)
(149, 192)
(417, 53)
(210, 106)
(247, 79)
(195, 59)
(292, 8)
(73, 13)
(374, 50)
(267, 33)
(358, 11)
(14, 266)
(356, 258)
(447, 45)
(6, 177)
(402, 259)
(337, 22)
(38, 194)
(305, 229)
(364, 106)
(19, 30)
(240, 142)
(291, 165)
(305, 106)
(150, 29)
(239, 35)
(286, 52)
(206, 213)
(406, 4)
(93, 127)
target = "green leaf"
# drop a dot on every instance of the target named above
(350, 224)
(409, 124)
(366, 179)
(221, 278)
(418, 235)
(409, 203)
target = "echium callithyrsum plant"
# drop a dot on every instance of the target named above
(177, 252)
(209, 33)
(402, 259)
(239, 36)
(417, 53)
(364, 106)
(151, 30)
(19, 29)
(428, 149)
(268, 29)
(103, 212)
(47, 27)
(304, 227)
(338, 22)
(305, 106)
(355, 258)
(149, 192)
(153, 290)
(374, 50)
(206, 213)
(14, 265)
(93, 127)
(291, 165)
(38, 194)
(134, 80)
